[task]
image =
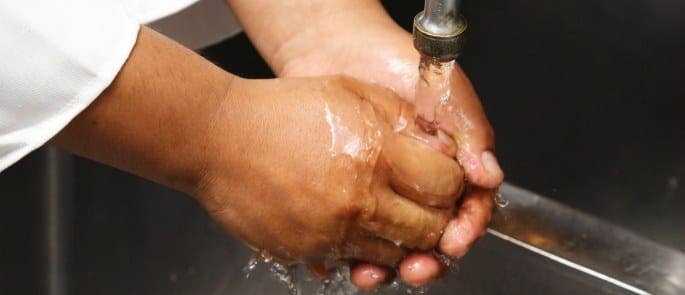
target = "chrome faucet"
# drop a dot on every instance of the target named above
(439, 30)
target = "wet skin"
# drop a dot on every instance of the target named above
(311, 170)
(327, 151)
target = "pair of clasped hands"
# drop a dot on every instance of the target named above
(261, 155)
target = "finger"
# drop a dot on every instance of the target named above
(402, 221)
(464, 119)
(365, 246)
(469, 224)
(419, 269)
(368, 276)
(421, 173)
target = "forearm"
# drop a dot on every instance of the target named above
(153, 118)
(281, 30)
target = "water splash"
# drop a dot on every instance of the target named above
(281, 272)
(296, 280)
(284, 276)
(397, 286)
(338, 283)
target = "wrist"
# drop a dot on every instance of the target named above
(332, 31)
(381, 53)
(221, 148)
(197, 170)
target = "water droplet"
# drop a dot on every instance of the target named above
(251, 265)
(500, 201)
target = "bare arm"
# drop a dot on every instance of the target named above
(284, 30)
(158, 108)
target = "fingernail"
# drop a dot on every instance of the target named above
(490, 163)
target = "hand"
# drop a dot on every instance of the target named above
(308, 170)
(373, 48)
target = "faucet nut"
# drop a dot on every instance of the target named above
(439, 46)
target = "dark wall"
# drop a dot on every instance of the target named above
(21, 227)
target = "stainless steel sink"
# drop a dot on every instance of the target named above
(130, 236)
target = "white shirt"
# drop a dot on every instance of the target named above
(57, 56)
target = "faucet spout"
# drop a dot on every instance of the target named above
(439, 28)
(440, 17)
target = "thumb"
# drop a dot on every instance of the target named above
(463, 118)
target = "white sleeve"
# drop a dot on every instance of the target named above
(56, 57)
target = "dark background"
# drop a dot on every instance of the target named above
(586, 99)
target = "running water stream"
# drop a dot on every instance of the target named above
(433, 99)
(433, 91)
